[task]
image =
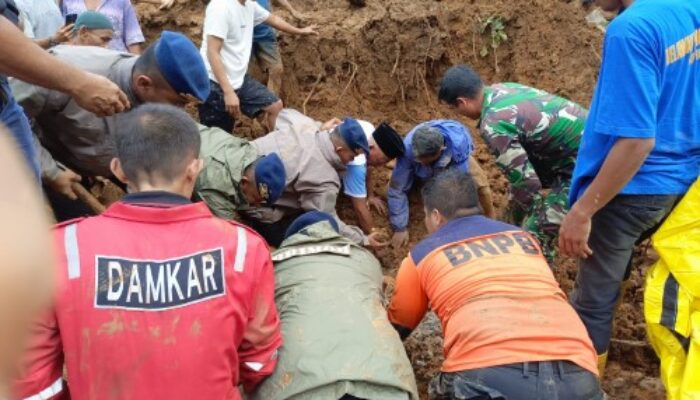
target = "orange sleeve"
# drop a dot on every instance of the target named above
(409, 302)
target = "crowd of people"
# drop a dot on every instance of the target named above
(225, 270)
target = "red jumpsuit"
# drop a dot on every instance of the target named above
(156, 299)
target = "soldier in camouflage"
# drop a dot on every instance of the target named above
(535, 137)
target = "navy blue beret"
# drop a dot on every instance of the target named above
(353, 134)
(181, 65)
(270, 177)
(310, 218)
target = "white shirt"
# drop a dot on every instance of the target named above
(41, 18)
(234, 23)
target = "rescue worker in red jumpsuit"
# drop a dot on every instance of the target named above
(157, 298)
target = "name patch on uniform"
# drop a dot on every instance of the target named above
(153, 285)
(343, 250)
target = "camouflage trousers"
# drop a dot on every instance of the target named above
(545, 216)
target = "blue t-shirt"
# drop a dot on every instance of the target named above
(263, 32)
(649, 87)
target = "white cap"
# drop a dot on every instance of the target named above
(368, 128)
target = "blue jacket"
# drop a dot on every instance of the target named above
(459, 145)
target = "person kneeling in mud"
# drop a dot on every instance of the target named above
(342, 345)
(510, 332)
(429, 149)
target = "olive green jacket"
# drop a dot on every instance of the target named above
(225, 159)
(337, 337)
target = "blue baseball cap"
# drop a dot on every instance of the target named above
(310, 218)
(353, 134)
(181, 65)
(270, 177)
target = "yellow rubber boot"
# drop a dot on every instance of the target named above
(602, 361)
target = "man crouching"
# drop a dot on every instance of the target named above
(509, 331)
(338, 342)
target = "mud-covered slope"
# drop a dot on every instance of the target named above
(384, 61)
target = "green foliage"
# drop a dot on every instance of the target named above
(496, 27)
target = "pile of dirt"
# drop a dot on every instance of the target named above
(383, 62)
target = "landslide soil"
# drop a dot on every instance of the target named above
(383, 61)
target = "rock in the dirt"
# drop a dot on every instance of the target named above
(358, 3)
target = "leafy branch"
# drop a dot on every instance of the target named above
(495, 26)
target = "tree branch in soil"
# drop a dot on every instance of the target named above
(398, 56)
(352, 78)
(313, 88)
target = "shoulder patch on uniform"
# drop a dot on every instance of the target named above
(69, 222)
(286, 254)
(154, 285)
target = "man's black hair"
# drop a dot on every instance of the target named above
(427, 141)
(147, 64)
(453, 193)
(156, 140)
(459, 81)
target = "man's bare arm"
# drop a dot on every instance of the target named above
(288, 6)
(92, 92)
(364, 216)
(284, 26)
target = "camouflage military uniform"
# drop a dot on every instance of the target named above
(535, 137)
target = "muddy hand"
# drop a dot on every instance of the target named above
(375, 242)
(99, 95)
(299, 16)
(63, 183)
(573, 234)
(309, 30)
(399, 239)
(379, 205)
(232, 104)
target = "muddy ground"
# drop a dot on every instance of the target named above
(383, 61)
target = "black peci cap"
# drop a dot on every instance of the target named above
(389, 141)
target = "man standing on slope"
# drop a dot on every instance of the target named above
(534, 136)
(635, 160)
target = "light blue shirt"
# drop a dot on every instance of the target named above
(41, 18)
(355, 181)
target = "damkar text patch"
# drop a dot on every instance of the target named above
(158, 284)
